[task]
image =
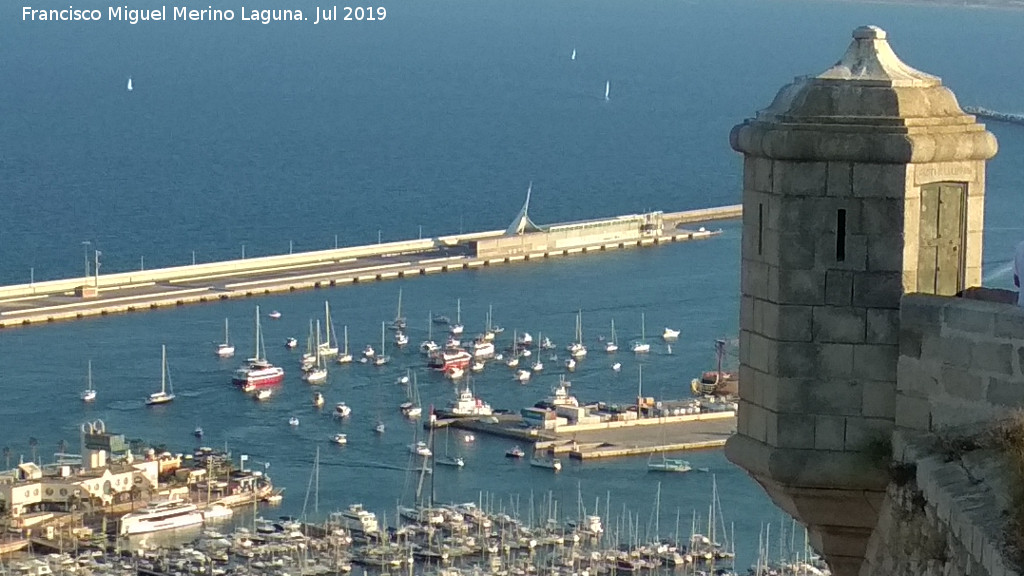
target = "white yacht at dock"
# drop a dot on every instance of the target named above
(161, 515)
(469, 405)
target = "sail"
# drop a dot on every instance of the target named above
(522, 224)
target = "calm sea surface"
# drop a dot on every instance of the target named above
(240, 136)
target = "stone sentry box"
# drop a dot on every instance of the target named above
(860, 184)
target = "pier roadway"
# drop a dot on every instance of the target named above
(56, 300)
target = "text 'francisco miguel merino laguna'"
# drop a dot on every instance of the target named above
(177, 13)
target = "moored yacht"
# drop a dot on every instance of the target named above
(469, 405)
(670, 334)
(356, 519)
(342, 410)
(258, 372)
(160, 515)
(450, 358)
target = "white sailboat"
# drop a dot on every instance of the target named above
(446, 460)
(573, 57)
(382, 358)
(89, 394)
(428, 345)
(317, 374)
(611, 345)
(607, 88)
(538, 365)
(577, 349)
(345, 357)
(163, 396)
(225, 350)
(130, 87)
(457, 328)
(399, 322)
(329, 347)
(641, 346)
(412, 408)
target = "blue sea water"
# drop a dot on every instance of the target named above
(239, 136)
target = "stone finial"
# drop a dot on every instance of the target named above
(870, 58)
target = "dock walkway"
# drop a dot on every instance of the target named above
(57, 300)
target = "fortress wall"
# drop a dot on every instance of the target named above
(943, 514)
(961, 362)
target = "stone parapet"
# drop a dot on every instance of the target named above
(945, 511)
(961, 362)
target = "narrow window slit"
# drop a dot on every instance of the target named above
(841, 235)
(760, 228)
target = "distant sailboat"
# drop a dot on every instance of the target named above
(607, 88)
(89, 394)
(573, 57)
(130, 84)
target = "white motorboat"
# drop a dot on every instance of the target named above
(318, 400)
(401, 339)
(225, 349)
(525, 340)
(549, 463)
(293, 421)
(523, 375)
(617, 366)
(275, 315)
(217, 513)
(453, 461)
(379, 427)
(291, 343)
(356, 519)
(547, 344)
(340, 439)
(477, 366)
(455, 373)
(160, 515)
(670, 334)
(369, 352)
(421, 449)
(263, 394)
(342, 410)
(570, 364)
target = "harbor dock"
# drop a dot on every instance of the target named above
(102, 294)
(613, 439)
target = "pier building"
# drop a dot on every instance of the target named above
(878, 380)
(523, 237)
(93, 479)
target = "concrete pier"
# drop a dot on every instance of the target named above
(73, 298)
(612, 440)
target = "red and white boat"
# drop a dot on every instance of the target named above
(450, 358)
(258, 372)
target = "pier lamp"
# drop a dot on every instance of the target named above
(85, 254)
(96, 265)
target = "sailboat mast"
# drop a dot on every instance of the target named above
(163, 369)
(256, 354)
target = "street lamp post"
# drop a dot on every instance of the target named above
(96, 265)
(243, 250)
(85, 253)
(378, 235)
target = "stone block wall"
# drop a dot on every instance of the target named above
(944, 513)
(961, 362)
